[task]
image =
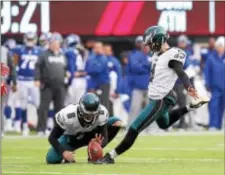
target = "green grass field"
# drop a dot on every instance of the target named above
(201, 154)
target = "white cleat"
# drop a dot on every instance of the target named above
(8, 125)
(198, 103)
(47, 132)
(212, 129)
(40, 134)
(26, 130)
(17, 126)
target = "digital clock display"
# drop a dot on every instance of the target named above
(113, 18)
(24, 16)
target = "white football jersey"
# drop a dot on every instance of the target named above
(163, 78)
(67, 119)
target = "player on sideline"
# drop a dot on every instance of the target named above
(167, 66)
(76, 125)
(26, 56)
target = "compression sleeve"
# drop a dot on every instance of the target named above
(53, 138)
(178, 68)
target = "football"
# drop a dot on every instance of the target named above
(95, 151)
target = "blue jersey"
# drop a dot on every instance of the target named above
(206, 53)
(27, 57)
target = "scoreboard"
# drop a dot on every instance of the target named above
(120, 18)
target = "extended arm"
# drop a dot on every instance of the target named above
(178, 68)
(53, 139)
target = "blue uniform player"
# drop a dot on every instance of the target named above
(76, 67)
(215, 84)
(207, 52)
(26, 56)
(44, 40)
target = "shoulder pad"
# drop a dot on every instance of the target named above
(178, 54)
(103, 116)
(65, 116)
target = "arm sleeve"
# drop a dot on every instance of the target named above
(178, 68)
(12, 73)
(38, 67)
(53, 139)
(104, 132)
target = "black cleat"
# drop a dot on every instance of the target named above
(105, 160)
(67, 162)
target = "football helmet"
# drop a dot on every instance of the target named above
(89, 107)
(44, 39)
(30, 39)
(154, 37)
(72, 40)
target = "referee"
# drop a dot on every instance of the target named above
(50, 75)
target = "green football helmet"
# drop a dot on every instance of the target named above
(154, 37)
(89, 107)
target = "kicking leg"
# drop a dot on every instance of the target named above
(168, 119)
(165, 120)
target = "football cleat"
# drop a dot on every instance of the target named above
(105, 160)
(67, 162)
(199, 102)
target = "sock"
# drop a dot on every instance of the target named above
(127, 142)
(18, 114)
(176, 114)
(8, 112)
(113, 154)
(51, 113)
(24, 116)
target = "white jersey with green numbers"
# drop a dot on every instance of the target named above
(68, 120)
(163, 78)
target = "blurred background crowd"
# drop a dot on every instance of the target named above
(51, 70)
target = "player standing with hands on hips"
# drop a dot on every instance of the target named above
(167, 66)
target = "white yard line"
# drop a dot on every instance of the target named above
(189, 149)
(177, 149)
(23, 158)
(62, 173)
(138, 159)
(14, 165)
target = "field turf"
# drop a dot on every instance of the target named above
(170, 154)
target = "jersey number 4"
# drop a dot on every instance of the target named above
(152, 72)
